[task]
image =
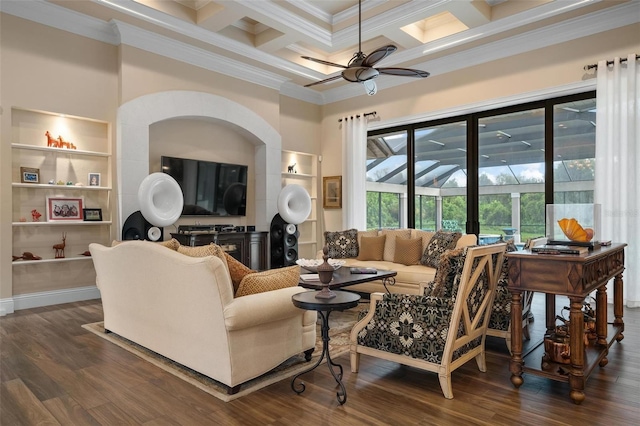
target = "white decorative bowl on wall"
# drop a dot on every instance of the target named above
(311, 265)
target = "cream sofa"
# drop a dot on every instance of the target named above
(184, 309)
(409, 277)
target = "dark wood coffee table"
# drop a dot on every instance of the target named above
(344, 278)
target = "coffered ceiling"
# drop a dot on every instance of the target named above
(262, 41)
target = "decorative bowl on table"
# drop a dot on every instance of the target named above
(311, 265)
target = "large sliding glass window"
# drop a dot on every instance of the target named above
(490, 173)
(511, 151)
(440, 176)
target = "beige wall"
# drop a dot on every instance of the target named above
(555, 66)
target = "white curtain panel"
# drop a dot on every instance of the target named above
(617, 178)
(354, 172)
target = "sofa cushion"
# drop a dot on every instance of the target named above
(438, 244)
(408, 251)
(173, 244)
(272, 279)
(370, 233)
(371, 248)
(237, 270)
(424, 235)
(390, 243)
(342, 244)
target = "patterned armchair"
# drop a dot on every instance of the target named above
(441, 330)
(500, 320)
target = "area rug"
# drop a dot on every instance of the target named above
(340, 326)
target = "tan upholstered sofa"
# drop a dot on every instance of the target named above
(396, 255)
(184, 308)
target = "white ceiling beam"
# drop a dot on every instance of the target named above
(472, 13)
(216, 17)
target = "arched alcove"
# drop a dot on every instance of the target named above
(132, 141)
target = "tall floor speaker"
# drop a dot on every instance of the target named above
(284, 243)
(136, 227)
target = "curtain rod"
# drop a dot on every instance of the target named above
(366, 114)
(588, 67)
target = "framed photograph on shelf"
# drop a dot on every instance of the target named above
(92, 215)
(332, 192)
(94, 179)
(29, 175)
(64, 208)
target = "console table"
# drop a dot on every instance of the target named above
(250, 248)
(574, 276)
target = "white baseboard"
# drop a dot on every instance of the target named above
(46, 298)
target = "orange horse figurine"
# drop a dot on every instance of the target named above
(51, 141)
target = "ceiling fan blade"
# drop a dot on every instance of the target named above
(320, 61)
(403, 72)
(378, 55)
(326, 80)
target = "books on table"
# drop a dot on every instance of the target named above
(364, 271)
(559, 249)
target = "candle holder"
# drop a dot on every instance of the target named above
(325, 274)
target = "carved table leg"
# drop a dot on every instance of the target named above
(515, 366)
(550, 312)
(618, 305)
(601, 315)
(576, 333)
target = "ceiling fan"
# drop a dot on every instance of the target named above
(360, 68)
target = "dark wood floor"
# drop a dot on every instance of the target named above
(55, 372)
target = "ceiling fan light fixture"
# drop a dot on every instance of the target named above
(359, 74)
(370, 87)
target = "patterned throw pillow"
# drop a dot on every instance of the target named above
(448, 273)
(203, 251)
(438, 244)
(390, 244)
(408, 251)
(371, 248)
(237, 270)
(272, 279)
(342, 244)
(173, 244)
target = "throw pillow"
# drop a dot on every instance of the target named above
(372, 248)
(237, 270)
(439, 243)
(408, 251)
(272, 279)
(425, 235)
(447, 279)
(342, 244)
(390, 244)
(370, 233)
(203, 251)
(173, 244)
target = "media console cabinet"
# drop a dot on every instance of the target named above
(574, 276)
(250, 248)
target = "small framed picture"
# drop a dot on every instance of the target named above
(332, 192)
(94, 179)
(92, 215)
(29, 175)
(64, 208)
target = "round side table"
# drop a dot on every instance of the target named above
(307, 300)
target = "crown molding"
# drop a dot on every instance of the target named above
(170, 48)
(55, 16)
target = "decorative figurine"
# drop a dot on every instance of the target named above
(79, 184)
(27, 255)
(60, 182)
(325, 273)
(292, 168)
(69, 183)
(51, 142)
(52, 182)
(35, 215)
(23, 219)
(86, 253)
(59, 248)
(65, 144)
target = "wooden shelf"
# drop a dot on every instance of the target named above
(62, 223)
(61, 187)
(592, 354)
(65, 259)
(59, 150)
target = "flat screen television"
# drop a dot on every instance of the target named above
(209, 188)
